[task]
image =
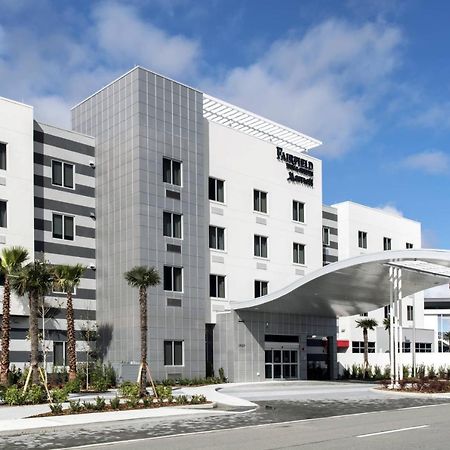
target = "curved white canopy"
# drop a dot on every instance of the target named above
(355, 285)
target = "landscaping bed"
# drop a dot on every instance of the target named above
(116, 404)
(419, 385)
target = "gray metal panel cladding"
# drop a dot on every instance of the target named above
(136, 121)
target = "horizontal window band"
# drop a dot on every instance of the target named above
(24, 357)
(45, 182)
(81, 293)
(63, 207)
(329, 216)
(63, 249)
(46, 225)
(67, 144)
(46, 160)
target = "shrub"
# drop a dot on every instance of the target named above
(222, 377)
(14, 396)
(14, 375)
(35, 395)
(354, 371)
(442, 372)
(346, 373)
(420, 371)
(2, 392)
(110, 375)
(100, 384)
(405, 370)
(431, 372)
(132, 402)
(56, 408)
(59, 395)
(115, 403)
(198, 399)
(99, 404)
(129, 389)
(387, 372)
(73, 386)
(164, 392)
(88, 406)
(181, 399)
(75, 406)
(377, 373)
(147, 402)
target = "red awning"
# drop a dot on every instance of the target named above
(342, 343)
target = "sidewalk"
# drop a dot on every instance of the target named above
(17, 420)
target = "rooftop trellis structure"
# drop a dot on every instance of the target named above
(224, 113)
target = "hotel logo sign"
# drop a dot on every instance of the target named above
(299, 170)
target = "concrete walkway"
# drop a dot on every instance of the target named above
(16, 419)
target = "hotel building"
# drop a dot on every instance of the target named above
(227, 205)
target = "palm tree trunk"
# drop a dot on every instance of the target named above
(34, 338)
(71, 350)
(6, 327)
(143, 321)
(366, 351)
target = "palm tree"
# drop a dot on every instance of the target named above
(66, 278)
(11, 261)
(366, 324)
(35, 280)
(143, 277)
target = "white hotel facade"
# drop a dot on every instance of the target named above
(225, 204)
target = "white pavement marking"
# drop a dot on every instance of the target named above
(392, 431)
(261, 425)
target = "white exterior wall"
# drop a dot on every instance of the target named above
(16, 182)
(246, 163)
(353, 217)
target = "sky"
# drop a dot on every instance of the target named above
(369, 78)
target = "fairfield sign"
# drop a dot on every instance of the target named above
(300, 170)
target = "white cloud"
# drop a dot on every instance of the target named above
(323, 84)
(54, 69)
(126, 37)
(389, 208)
(431, 162)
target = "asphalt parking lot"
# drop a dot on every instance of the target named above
(277, 402)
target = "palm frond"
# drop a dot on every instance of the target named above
(142, 277)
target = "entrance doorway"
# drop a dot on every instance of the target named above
(318, 358)
(281, 364)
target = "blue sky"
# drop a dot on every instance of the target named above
(371, 79)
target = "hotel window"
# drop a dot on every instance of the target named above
(387, 243)
(299, 253)
(364, 314)
(386, 311)
(3, 214)
(173, 353)
(259, 201)
(216, 190)
(406, 347)
(362, 239)
(409, 245)
(62, 174)
(326, 236)
(172, 171)
(261, 288)
(2, 156)
(298, 211)
(423, 347)
(409, 312)
(172, 226)
(216, 238)
(358, 347)
(260, 246)
(59, 353)
(173, 278)
(217, 286)
(63, 227)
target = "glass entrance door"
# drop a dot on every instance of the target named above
(281, 364)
